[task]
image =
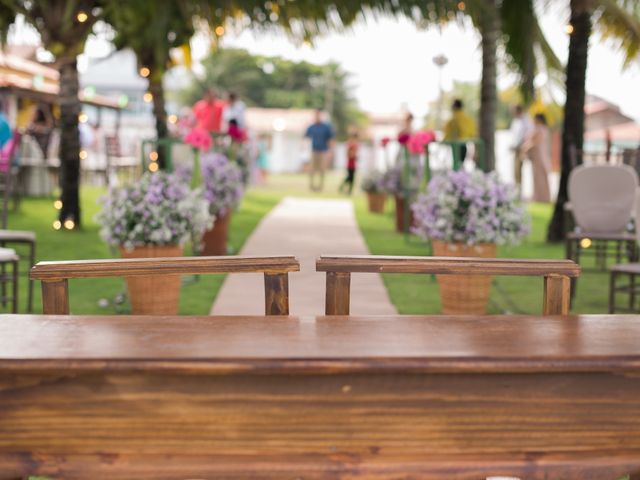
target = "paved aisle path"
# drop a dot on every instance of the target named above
(305, 228)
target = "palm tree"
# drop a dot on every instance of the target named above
(64, 26)
(616, 19)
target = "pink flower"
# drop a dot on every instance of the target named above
(385, 141)
(199, 138)
(403, 138)
(419, 140)
(237, 134)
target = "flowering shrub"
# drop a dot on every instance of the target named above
(419, 140)
(198, 137)
(157, 210)
(372, 182)
(470, 207)
(391, 180)
(222, 182)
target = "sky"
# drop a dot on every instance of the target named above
(391, 61)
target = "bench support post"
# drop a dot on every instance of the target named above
(55, 297)
(338, 293)
(276, 294)
(557, 295)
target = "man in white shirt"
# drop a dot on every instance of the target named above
(520, 129)
(234, 110)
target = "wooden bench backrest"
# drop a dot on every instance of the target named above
(55, 275)
(556, 273)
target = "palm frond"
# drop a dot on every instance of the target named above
(619, 21)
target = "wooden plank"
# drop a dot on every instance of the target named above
(276, 294)
(446, 265)
(367, 425)
(557, 295)
(161, 266)
(229, 345)
(337, 293)
(55, 297)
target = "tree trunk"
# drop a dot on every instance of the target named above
(573, 124)
(490, 30)
(162, 131)
(69, 142)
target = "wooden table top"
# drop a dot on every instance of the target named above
(322, 344)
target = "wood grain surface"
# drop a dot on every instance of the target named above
(338, 397)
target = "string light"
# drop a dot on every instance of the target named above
(82, 17)
(69, 224)
(153, 156)
(145, 72)
(219, 30)
(57, 225)
(173, 119)
(585, 242)
(83, 118)
(153, 167)
(147, 97)
(83, 154)
(57, 204)
(568, 29)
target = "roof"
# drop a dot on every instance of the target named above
(629, 131)
(35, 80)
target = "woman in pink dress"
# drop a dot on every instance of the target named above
(536, 147)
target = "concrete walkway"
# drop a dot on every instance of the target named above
(305, 228)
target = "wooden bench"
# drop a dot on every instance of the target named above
(55, 275)
(557, 275)
(395, 397)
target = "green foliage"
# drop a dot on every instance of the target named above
(274, 82)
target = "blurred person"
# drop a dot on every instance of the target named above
(459, 127)
(234, 110)
(352, 162)
(536, 146)
(262, 157)
(521, 128)
(209, 112)
(5, 128)
(41, 128)
(321, 135)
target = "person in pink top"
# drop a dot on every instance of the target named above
(208, 112)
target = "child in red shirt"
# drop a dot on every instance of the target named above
(352, 161)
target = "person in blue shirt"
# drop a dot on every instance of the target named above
(5, 130)
(321, 135)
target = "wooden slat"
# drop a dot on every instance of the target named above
(161, 266)
(446, 265)
(337, 293)
(55, 297)
(276, 294)
(557, 295)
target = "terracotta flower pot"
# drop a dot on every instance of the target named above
(464, 294)
(214, 241)
(153, 294)
(400, 203)
(376, 202)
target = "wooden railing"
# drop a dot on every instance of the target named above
(55, 275)
(556, 273)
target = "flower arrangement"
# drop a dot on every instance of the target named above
(471, 208)
(372, 182)
(157, 210)
(391, 180)
(199, 138)
(222, 182)
(419, 140)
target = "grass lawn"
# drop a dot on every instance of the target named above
(413, 294)
(196, 296)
